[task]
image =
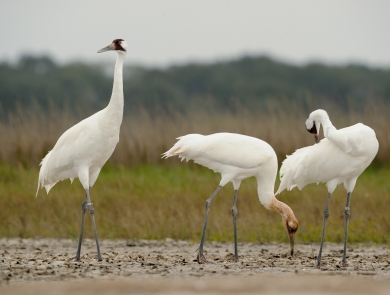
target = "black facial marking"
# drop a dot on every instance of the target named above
(290, 229)
(313, 129)
(117, 44)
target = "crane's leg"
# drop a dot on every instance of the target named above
(326, 215)
(234, 213)
(347, 214)
(92, 213)
(201, 258)
(83, 208)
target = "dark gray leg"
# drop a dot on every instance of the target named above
(83, 208)
(92, 213)
(326, 215)
(234, 213)
(201, 258)
(347, 214)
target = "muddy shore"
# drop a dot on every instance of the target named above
(29, 264)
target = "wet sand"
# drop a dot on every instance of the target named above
(28, 265)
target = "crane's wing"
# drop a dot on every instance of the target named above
(321, 162)
(351, 139)
(57, 164)
(224, 148)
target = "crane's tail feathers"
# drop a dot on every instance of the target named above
(170, 153)
(182, 146)
(284, 186)
(286, 178)
(42, 179)
(290, 170)
(36, 194)
(47, 188)
(174, 152)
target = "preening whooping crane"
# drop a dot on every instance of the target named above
(236, 157)
(338, 158)
(82, 150)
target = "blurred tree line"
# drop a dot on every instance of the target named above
(249, 82)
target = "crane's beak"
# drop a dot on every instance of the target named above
(314, 131)
(107, 48)
(292, 244)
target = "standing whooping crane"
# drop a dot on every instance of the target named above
(83, 149)
(236, 157)
(339, 158)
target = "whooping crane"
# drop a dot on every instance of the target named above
(236, 157)
(82, 150)
(338, 158)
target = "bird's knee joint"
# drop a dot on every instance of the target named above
(234, 211)
(326, 213)
(208, 204)
(347, 211)
(90, 208)
(84, 205)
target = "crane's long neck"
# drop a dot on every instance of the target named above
(265, 190)
(115, 107)
(327, 125)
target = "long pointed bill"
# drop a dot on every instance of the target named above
(292, 244)
(316, 138)
(107, 48)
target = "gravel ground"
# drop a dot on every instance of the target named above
(172, 264)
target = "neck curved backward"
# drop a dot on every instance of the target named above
(327, 126)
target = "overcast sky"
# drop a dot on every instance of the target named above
(161, 33)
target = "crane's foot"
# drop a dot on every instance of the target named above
(200, 257)
(235, 259)
(77, 259)
(343, 264)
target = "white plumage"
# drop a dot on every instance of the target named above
(236, 157)
(232, 155)
(83, 149)
(339, 158)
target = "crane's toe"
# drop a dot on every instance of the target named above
(320, 265)
(343, 264)
(201, 259)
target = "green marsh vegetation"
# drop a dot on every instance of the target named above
(160, 201)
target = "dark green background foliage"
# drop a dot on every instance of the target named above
(249, 82)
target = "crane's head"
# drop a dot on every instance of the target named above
(313, 123)
(119, 45)
(290, 223)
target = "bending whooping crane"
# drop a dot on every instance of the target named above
(82, 150)
(236, 157)
(338, 158)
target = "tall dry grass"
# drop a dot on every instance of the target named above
(27, 135)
